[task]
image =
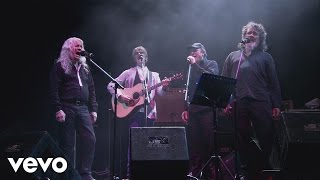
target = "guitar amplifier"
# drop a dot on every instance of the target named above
(170, 107)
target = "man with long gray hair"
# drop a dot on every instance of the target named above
(72, 93)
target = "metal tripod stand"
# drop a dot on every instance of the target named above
(215, 157)
(214, 91)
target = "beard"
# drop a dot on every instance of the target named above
(251, 46)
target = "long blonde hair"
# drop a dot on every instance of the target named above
(65, 53)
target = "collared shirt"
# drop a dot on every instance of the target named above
(77, 85)
(257, 76)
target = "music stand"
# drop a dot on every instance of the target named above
(214, 91)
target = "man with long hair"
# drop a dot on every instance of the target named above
(72, 93)
(258, 98)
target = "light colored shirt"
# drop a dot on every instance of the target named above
(127, 78)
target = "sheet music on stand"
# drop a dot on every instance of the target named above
(213, 88)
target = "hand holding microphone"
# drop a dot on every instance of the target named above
(191, 59)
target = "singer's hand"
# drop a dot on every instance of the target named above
(228, 110)
(124, 98)
(165, 82)
(276, 113)
(191, 59)
(60, 116)
(185, 116)
(93, 116)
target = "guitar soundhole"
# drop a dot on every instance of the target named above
(135, 95)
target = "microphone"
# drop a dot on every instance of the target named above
(86, 54)
(142, 60)
(245, 41)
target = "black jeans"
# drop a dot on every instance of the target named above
(254, 122)
(78, 127)
(200, 139)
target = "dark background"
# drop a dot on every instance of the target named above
(34, 31)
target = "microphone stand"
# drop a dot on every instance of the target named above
(187, 85)
(186, 99)
(147, 97)
(237, 176)
(117, 85)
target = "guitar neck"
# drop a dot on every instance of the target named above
(152, 88)
(160, 84)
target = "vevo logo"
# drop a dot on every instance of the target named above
(30, 164)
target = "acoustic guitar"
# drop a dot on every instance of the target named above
(137, 94)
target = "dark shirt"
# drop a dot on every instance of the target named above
(65, 87)
(204, 66)
(257, 77)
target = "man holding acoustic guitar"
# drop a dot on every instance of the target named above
(136, 105)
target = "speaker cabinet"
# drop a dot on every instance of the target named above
(300, 140)
(158, 153)
(32, 144)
